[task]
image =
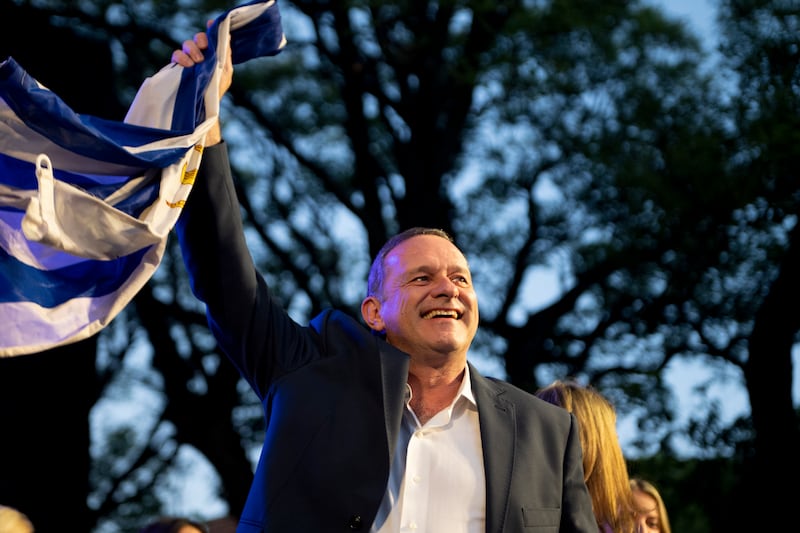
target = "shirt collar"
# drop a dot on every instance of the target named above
(464, 390)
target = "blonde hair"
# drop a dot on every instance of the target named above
(13, 521)
(648, 488)
(604, 468)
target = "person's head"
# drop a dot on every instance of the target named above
(14, 521)
(651, 513)
(174, 524)
(420, 294)
(604, 468)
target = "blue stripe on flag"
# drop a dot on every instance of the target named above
(49, 288)
(22, 175)
(45, 113)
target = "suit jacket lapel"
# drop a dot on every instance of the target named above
(498, 437)
(394, 375)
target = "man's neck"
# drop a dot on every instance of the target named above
(433, 389)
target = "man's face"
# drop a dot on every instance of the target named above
(428, 306)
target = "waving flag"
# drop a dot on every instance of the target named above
(87, 204)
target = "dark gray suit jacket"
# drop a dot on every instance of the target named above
(333, 396)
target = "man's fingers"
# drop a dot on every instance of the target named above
(201, 39)
(191, 51)
(179, 57)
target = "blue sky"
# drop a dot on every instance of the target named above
(698, 13)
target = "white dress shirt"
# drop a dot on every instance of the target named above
(437, 481)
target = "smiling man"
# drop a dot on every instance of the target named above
(384, 428)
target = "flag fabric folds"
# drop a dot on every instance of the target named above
(86, 203)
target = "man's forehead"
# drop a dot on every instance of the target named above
(426, 251)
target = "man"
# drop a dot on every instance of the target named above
(385, 428)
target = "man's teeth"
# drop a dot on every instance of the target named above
(441, 312)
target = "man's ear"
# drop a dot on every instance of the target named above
(371, 312)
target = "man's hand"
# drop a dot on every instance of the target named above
(189, 55)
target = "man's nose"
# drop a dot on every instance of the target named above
(446, 287)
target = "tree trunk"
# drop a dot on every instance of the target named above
(768, 374)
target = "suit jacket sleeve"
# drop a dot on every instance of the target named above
(251, 327)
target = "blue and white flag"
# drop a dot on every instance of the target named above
(87, 204)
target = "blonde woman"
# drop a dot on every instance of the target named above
(651, 513)
(604, 468)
